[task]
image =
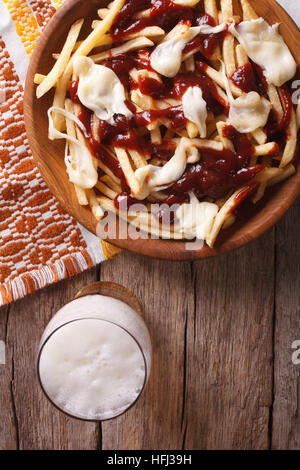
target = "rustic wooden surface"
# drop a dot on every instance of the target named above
(222, 376)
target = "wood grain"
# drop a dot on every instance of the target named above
(49, 154)
(32, 422)
(8, 423)
(214, 382)
(229, 351)
(286, 412)
(211, 384)
(166, 293)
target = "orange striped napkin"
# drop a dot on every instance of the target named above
(39, 243)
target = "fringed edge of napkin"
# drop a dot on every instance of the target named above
(49, 274)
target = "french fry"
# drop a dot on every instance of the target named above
(137, 43)
(285, 173)
(248, 12)
(260, 136)
(229, 221)
(108, 172)
(81, 195)
(190, 64)
(222, 216)
(291, 142)
(186, 3)
(62, 61)
(128, 171)
(106, 190)
(149, 32)
(102, 13)
(96, 38)
(228, 55)
(265, 149)
(138, 159)
(192, 130)
(210, 8)
(217, 77)
(38, 78)
(156, 135)
(143, 220)
(275, 101)
(94, 204)
(226, 142)
(263, 178)
(226, 9)
(71, 131)
(241, 56)
(59, 99)
(143, 14)
(106, 179)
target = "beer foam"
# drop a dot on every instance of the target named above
(92, 369)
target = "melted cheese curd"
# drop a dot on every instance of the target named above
(182, 110)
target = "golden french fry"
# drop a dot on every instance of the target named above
(138, 159)
(291, 142)
(62, 61)
(248, 11)
(128, 171)
(260, 136)
(190, 64)
(106, 190)
(81, 196)
(186, 3)
(192, 130)
(241, 56)
(265, 149)
(106, 179)
(94, 204)
(156, 135)
(102, 13)
(143, 14)
(285, 173)
(263, 178)
(38, 78)
(226, 9)
(228, 55)
(137, 43)
(210, 7)
(275, 101)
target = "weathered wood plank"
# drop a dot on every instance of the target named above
(286, 411)
(39, 424)
(8, 431)
(166, 293)
(229, 350)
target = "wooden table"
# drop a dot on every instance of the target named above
(222, 377)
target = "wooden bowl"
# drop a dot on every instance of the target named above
(252, 222)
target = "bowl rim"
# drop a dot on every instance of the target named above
(173, 250)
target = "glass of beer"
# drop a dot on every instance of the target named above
(94, 357)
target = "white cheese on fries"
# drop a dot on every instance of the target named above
(266, 47)
(100, 90)
(167, 56)
(154, 178)
(248, 112)
(195, 219)
(80, 165)
(195, 109)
